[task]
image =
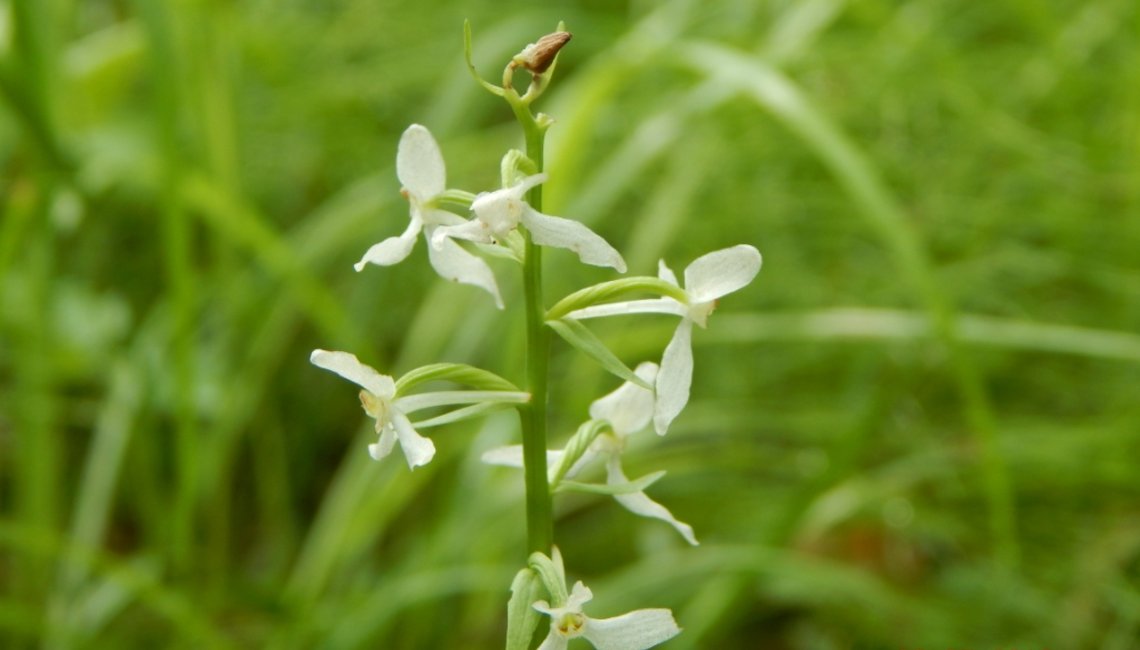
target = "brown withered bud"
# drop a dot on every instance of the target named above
(538, 56)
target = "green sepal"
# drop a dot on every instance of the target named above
(453, 199)
(522, 618)
(504, 250)
(516, 166)
(552, 578)
(609, 291)
(517, 243)
(459, 373)
(575, 448)
(637, 485)
(580, 336)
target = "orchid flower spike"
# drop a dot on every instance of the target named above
(707, 278)
(636, 630)
(498, 213)
(420, 168)
(391, 412)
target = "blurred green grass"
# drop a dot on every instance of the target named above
(918, 428)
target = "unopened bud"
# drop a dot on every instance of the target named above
(538, 56)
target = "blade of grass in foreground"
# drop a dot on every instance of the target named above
(861, 323)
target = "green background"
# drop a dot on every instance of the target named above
(918, 428)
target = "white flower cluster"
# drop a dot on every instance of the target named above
(420, 168)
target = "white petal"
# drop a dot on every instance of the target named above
(637, 630)
(518, 190)
(384, 446)
(473, 230)
(721, 272)
(434, 217)
(630, 407)
(348, 366)
(418, 450)
(580, 594)
(647, 306)
(554, 641)
(569, 234)
(640, 504)
(453, 263)
(674, 378)
(665, 273)
(393, 249)
(419, 163)
(498, 212)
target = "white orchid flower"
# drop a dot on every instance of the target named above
(391, 412)
(498, 213)
(420, 168)
(636, 630)
(628, 411)
(707, 278)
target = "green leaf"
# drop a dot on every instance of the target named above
(609, 291)
(637, 485)
(459, 373)
(579, 336)
(522, 619)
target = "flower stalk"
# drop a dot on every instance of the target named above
(540, 526)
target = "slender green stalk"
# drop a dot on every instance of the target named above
(539, 523)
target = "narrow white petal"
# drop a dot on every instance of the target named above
(640, 504)
(721, 272)
(648, 306)
(393, 249)
(453, 263)
(512, 456)
(665, 273)
(348, 366)
(629, 408)
(418, 450)
(419, 163)
(637, 630)
(572, 235)
(674, 378)
(383, 447)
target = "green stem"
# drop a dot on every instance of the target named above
(539, 522)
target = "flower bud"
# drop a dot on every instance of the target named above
(538, 56)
